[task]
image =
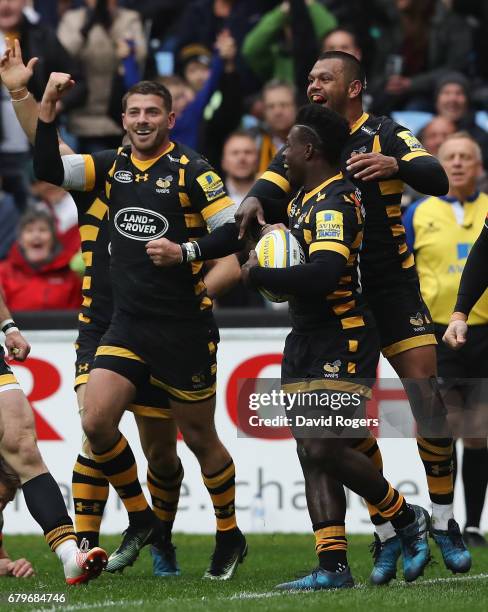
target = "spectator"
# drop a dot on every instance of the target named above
(9, 218)
(9, 484)
(440, 232)
(342, 39)
(181, 93)
(453, 102)
(240, 164)
(190, 128)
(36, 275)
(203, 20)
(62, 207)
(423, 41)
(195, 61)
(111, 46)
(279, 116)
(435, 133)
(36, 40)
(268, 47)
(431, 136)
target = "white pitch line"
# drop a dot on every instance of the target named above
(361, 585)
(452, 580)
(251, 595)
(94, 606)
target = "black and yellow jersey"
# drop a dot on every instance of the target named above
(385, 257)
(97, 302)
(171, 196)
(329, 218)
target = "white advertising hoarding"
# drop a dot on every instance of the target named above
(266, 467)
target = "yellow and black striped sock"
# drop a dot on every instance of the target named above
(436, 455)
(90, 492)
(369, 447)
(394, 508)
(165, 494)
(60, 534)
(222, 489)
(331, 545)
(119, 467)
(46, 506)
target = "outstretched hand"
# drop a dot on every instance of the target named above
(14, 73)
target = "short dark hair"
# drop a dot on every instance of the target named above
(345, 29)
(325, 129)
(240, 134)
(148, 88)
(352, 66)
(8, 477)
(38, 213)
(279, 84)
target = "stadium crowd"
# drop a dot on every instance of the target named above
(237, 72)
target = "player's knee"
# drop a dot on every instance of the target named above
(321, 451)
(161, 460)
(199, 442)
(95, 428)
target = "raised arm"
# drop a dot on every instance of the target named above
(72, 172)
(15, 76)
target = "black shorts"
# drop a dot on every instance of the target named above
(7, 377)
(150, 400)
(402, 318)
(465, 372)
(335, 368)
(178, 357)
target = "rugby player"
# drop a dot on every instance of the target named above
(332, 327)
(9, 484)
(151, 410)
(162, 324)
(18, 447)
(440, 232)
(379, 157)
(312, 342)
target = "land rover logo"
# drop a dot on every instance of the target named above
(140, 224)
(123, 176)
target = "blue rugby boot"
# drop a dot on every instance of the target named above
(385, 555)
(456, 556)
(164, 560)
(320, 579)
(415, 544)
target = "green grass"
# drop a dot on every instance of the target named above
(272, 559)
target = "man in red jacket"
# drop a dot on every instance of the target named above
(36, 275)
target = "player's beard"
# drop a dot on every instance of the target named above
(148, 145)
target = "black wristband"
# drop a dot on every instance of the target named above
(8, 326)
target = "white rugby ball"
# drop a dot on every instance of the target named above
(278, 249)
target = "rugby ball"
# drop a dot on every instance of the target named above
(278, 249)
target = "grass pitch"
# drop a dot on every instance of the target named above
(272, 559)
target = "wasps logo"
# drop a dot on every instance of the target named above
(163, 184)
(332, 368)
(417, 320)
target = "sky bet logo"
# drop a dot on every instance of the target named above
(463, 249)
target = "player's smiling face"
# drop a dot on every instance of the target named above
(148, 123)
(327, 85)
(295, 157)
